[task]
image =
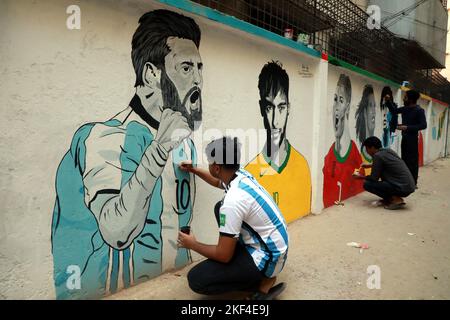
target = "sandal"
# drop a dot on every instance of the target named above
(272, 294)
(380, 203)
(395, 206)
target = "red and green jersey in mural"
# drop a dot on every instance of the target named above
(420, 149)
(337, 175)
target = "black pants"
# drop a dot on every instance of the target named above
(212, 277)
(383, 189)
(410, 154)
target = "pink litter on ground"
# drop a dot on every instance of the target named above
(364, 246)
(358, 245)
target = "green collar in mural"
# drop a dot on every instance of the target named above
(366, 157)
(338, 156)
(273, 165)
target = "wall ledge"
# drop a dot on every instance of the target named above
(238, 24)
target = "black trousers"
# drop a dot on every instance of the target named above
(410, 154)
(383, 189)
(212, 277)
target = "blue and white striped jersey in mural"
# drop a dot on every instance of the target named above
(249, 212)
(102, 157)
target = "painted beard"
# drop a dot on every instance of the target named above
(192, 100)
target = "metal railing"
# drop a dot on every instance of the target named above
(340, 29)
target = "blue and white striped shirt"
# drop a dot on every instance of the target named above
(249, 212)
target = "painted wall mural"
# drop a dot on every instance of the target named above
(433, 124)
(279, 167)
(343, 157)
(114, 198)
(441, 124)
(388, 125)
(120, 196)
(365, 119)
(437, 124)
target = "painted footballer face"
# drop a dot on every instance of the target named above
(182, 80)
(371, 115)
(340, 110)
(276, 112)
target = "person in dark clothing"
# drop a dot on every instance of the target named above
(413, 120)
(390, 178)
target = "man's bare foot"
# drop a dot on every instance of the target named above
(266, 284)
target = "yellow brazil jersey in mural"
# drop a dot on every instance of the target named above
(289, 185)
(366, 159)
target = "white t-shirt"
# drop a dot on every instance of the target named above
(249, 212)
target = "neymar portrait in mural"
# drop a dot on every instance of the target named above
(343, 157)
(120, 195)
(279, 168)
(365, 119)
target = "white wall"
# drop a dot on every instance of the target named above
(436, 132)
(55, 80)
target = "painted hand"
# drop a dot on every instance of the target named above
(173, 129)
(186, 240)
(186, 166)
(402, 127)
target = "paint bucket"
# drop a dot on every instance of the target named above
(303, 38)
(186, 229)
(289, 33)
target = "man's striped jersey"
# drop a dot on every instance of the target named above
(249, 212)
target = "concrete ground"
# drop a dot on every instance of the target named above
(410, 246)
